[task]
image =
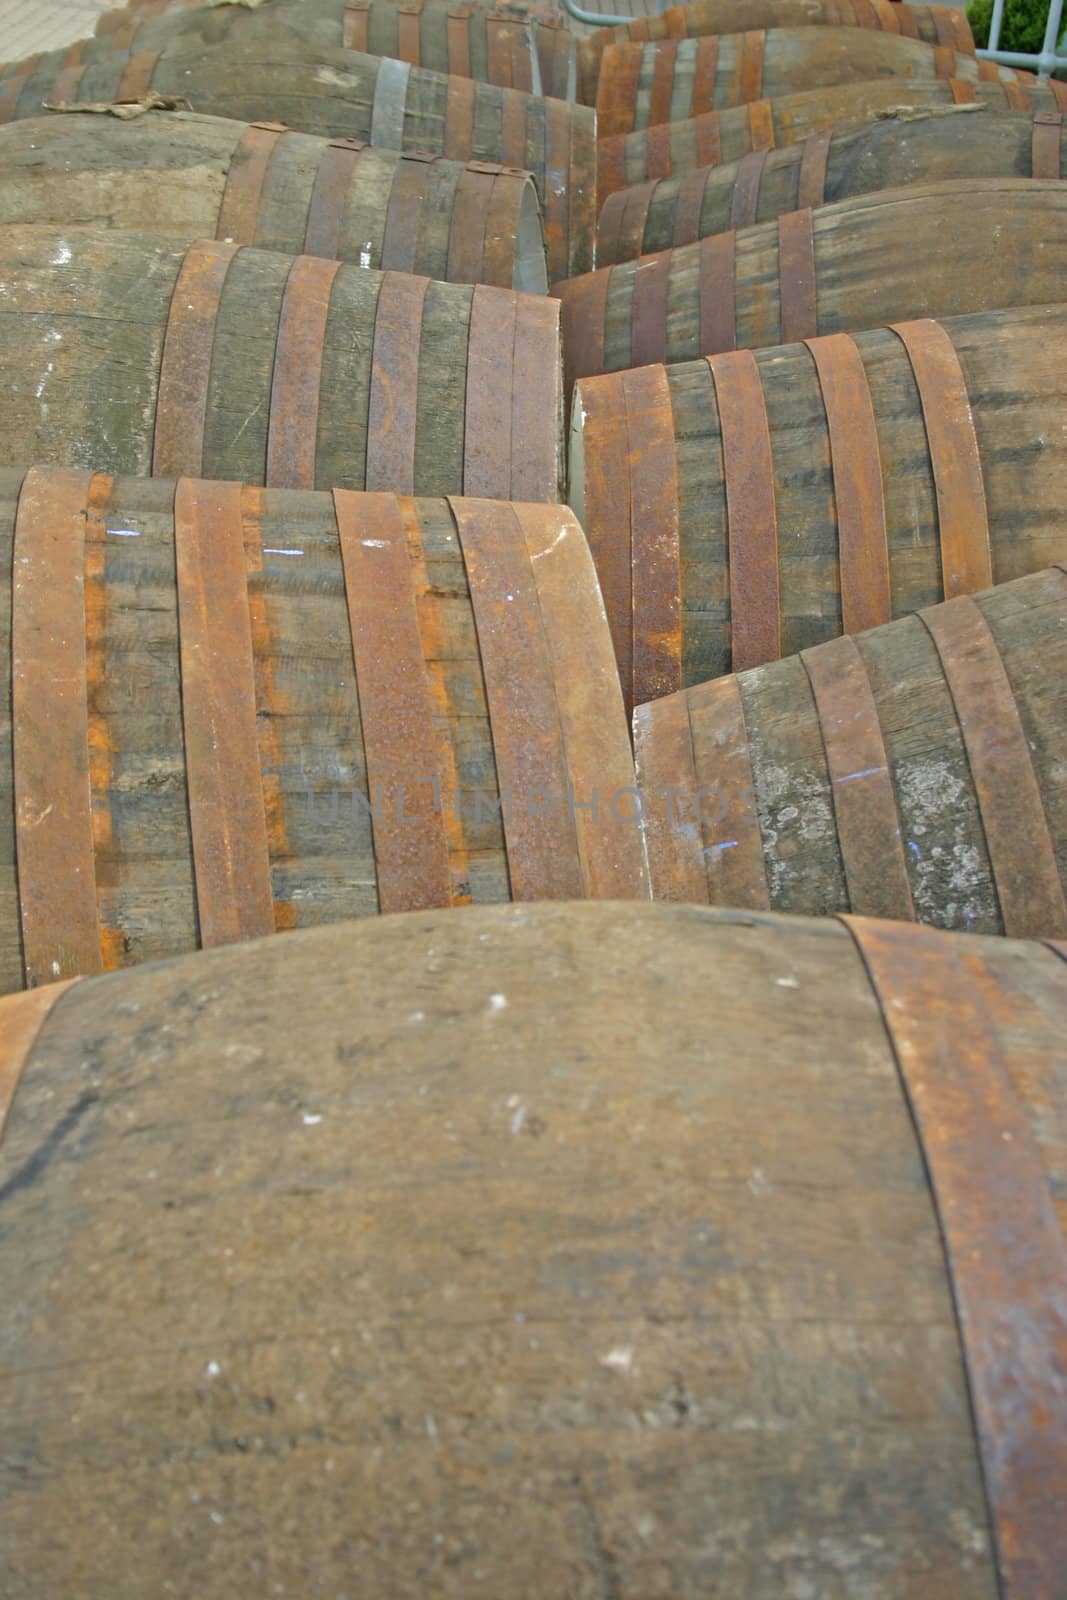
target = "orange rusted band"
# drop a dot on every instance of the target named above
(1045, 144)
(533, 382)
(1059, 92)
(10, 90)
(227, 813)
(405, 212)
(708, 139)
(705, 68)
(559, 180)
(584, 303)
(620, 76)
(796, 276)
(659, 160)
(859, 498)
(136, 79)
(761, 125)
(962, 516)
(524, 718)
(744, 201)
(487, 434)
(944, 62)
(963, 93)
(648, 338)
(65, 87)
(292, 432)
(908, 25)
(664, 66)
(811, 181)
(396, 705)
(394, 383)
(503, 37)
(557, 146)
(185, 370)
(1016, 96)
(50, 727)
(663, 752)
(459, 42)
(356, 23)
(752, 65)
(1004, 1246)
(1021, 851)
(409, 44)
(239, 210)
(611, 163)
(502, 230)
(988, 71)
(329, 195)
(864, 797)
(470, 215)
(22, 1017)
(688, 206)
(615, 210)
(718, 323)
(655, 551)
(725, 800)
(459, 119)
(607, 466)
(751, 515)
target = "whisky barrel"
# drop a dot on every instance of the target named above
(190, 177)
(237, 710)
(750, 506)
(938, 249)
(938, 25)
(490, 45)
(914, 771)
(675, 148)
(137, 355)
(742, 1270)
(956, 142)
(645, 84)
(341, 94)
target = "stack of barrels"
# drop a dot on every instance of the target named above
(533, 805)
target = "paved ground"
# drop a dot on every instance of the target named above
(30, 25)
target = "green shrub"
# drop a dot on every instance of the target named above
(1023, 27)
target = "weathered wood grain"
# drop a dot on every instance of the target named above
(338, 1249)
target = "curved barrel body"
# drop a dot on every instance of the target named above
(193, 177)
(645, 84)
(676, 148)
(335, 1248)
(237, 710)
(751, 506)
(294, 371)
(913, 772)
(964, 142)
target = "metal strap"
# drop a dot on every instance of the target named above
(396, 705)
(688, 206)
(557, 150)
(488, 440)
(864, 797)
(50, 728)
(752, 65)
(964, 94)
(356, 21)
(72, 68)
(718, 323)
(1059, 92)
(22, 1017)
(394, 383)
(185, 370)
(796, 276)
(751, 515)
(811, 182)
(859, 498)
(329, 195)
(1021, 851)
(1005, 1251)
(909, 25)
(744, 200)
(459, 43)
(137, 77)
(1016, 96)
(1045, 145)
(962, 516)
(664, 58)
(659, 161)
(620, 76)
(761, 124)
(663, 755)
(501, 37)
(387, 116)
(944, 62)
(563, 178)
(599, 762)
(607, 467)
(708, 138)
(405, 210)
(611, 161)
(408, 41)
(882, 14)
(292, 432)
(735, 870)
(655, 551)
(231, 859)
(533, 381)
(524, 718)
(10, 90)
(584, 303)
(459, 119)
(705, 68)
(945, 25)
(652, 277)
(988, 72)
(466, 238)
(614, 211)
(239, 210)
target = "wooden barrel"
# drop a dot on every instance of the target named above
(237, 710)
(645, 84)
(748, 507)
(740, 1273)
(939, 249)
(939, 25)
(673, 149)
(137, 355)
(954, 142)
(341, 94)
(914, 771)
(191, 177)
(489, 44)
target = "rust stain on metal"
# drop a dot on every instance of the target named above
(1004, 1248)
(395, 705)
(1018, 839)
(292, 431)
(408, 31)
(744, 201)
(534, 399)
(231, 859)
(560, 181)
(752, 65)
(856, 464)
(22, 1017)
(962, 515)
(861, 783)
(239, 210)
(655, 551)
(796, 276)
(584, 303)
(355, 25)
(329, 195)
(50, 729)
(394, 383)
(617, 90)
(607, 467)
(466, 239)
(688, 207)
(458, 39)
(963, 93)
(761, 124)
(651, 289)
(751, 515)
(137, 76)
(717, 267)
(502, 228)
(1045, 144)
(410, 190)
(459, 119)
(708, 137)
(811, 180)
(72, 67)
(185, 371)
(487, 433)
(101, 745)
(705, 68)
